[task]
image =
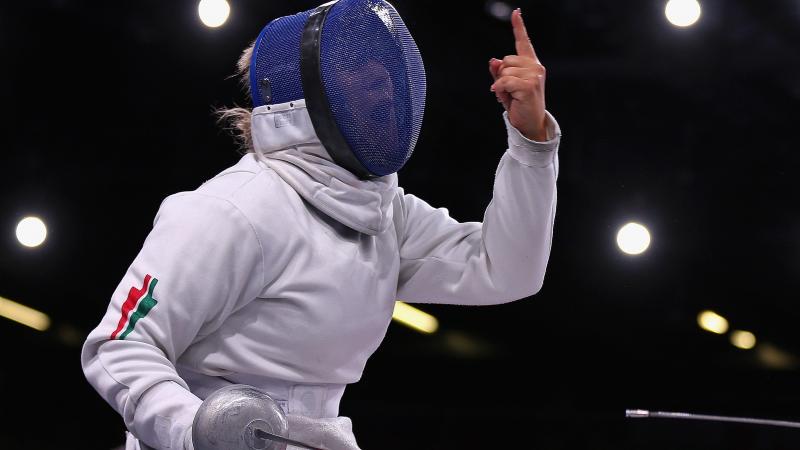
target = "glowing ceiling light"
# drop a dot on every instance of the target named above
(682, 13)
(213, 13)
(499, 10)
(744, 340)
(776, 358)
(31, 232)
(633, 238)
(713, 322)
(415, 318)
(24, 315)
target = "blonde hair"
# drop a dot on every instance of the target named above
(236, 120)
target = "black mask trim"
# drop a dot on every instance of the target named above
(317, 103)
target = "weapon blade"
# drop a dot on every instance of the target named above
(643, 414)
(261, 434)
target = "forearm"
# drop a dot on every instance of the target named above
(139, 382)
(518, 225)
(500, 260)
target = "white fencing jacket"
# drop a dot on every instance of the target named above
(282, 272)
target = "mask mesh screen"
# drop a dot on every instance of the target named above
(277, 58)
(375, 81)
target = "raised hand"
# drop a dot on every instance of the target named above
(519, 84)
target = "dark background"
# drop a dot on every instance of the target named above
(692, 132)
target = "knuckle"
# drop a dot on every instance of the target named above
(531, 86)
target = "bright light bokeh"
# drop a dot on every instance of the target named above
(633, 238)
(415, 318)
(744, 340)
(713, 322)
(31, 232)
(499, 10)
(213, 13)
(682, 13)
(24, 315)
(776, 358)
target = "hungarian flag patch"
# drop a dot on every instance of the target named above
(138, 304)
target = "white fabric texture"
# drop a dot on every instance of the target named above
(283, 270)
(335, 433)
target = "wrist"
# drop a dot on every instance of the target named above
(538, 133)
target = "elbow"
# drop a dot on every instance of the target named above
(112, 391)
(520, 285)
(528, 286)
(90, 360)
(528, 273)
(534, 286)
(517, 273)
(538, 282)
(513, 288)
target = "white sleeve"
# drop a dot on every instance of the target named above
(200, 263)
(499, 260)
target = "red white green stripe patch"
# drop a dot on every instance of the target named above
(138, 304)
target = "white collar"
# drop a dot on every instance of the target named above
(284, 138)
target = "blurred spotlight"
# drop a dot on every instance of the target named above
(744, 340)
(31, 232)
(464, 345)
(414, 318)
(213, 13)
(713, 322)
(24, 315)
(773, 357)
(682, 13)
(70, 335)
(633, 238)
(499, 10)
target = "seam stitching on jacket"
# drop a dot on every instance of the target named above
(437, 258)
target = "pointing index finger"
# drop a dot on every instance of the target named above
(522, 41)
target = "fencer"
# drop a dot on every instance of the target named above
(282, 271)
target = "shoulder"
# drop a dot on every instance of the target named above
(246, 196)
(249, 174)
(248, 186)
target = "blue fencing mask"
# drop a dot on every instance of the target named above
(360, 73)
